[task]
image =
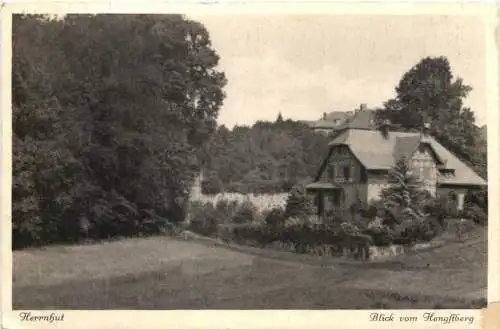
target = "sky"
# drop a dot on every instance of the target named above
(303, 66)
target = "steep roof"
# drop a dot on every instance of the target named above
(405, 146)
(364, 119)
(338, 115)
(332, 120)
(375, 151)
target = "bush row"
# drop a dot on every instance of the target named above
(293, 228)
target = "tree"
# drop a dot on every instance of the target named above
(430, 93)
(404, 193)
(298, 204)
(124, 104)
(279, 119)
(404, 202)
(267, 157)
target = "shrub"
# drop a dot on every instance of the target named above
(435, 208)
(475, 213)
(251, 233)
(247, 212)
(212, 185)
(381, 235)
(378, 209)
(275, 217)
(203, 218)
(349, 228)
(298, 204)
(371, 211)
(226, 210)
(478, 197)
(413, 230)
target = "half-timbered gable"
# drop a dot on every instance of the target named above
(342, 167)
(424, 164)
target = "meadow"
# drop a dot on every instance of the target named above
(165, 272)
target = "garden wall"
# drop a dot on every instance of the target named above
(261, 201)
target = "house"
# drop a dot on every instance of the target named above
(360, 157)
(331, 121)
(334, 121)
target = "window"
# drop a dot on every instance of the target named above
(347, 172)
(427, 173)
(331, 172)
(453, 196)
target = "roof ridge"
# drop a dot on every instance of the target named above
(375, 152)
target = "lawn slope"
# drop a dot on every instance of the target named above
(168, 273)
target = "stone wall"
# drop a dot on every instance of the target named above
(261, 201)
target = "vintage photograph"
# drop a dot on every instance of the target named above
(286, 162)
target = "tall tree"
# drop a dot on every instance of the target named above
(125, 101)
(430, 93)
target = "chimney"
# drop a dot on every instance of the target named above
(426, 130)
(362, 107)
(324, 115)
(384, 128)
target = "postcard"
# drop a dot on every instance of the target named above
(249, 165)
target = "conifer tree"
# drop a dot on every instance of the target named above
(280, 118)
(404, 194)
(298, 204)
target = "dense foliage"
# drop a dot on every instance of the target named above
(109, 114)
(429, 93)
(268, 157)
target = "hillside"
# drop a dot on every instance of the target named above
(168, 273)
(267, 157)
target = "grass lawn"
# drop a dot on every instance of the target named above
(167, 273)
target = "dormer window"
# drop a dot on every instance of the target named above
(447, 173)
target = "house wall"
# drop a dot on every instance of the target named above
(351, 193)
(376, 182)
(374, 190)
(322, 131)
(353, 187)
(454, 203)
(423, 165)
